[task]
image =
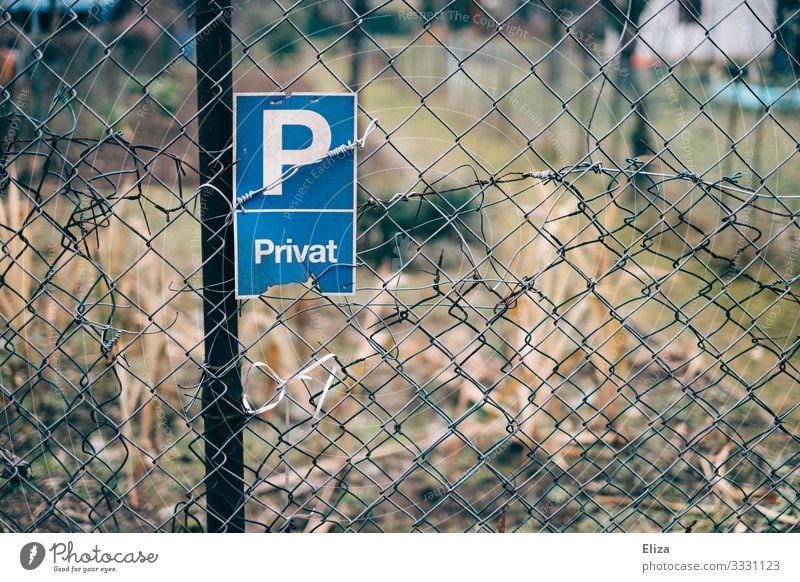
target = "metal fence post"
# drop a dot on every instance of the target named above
(222, 385)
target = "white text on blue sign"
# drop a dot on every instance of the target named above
(295, 202)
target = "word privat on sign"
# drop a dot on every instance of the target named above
(294, 191)
(316, 253)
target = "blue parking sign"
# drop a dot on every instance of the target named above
(295, 191)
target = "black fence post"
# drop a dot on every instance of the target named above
(222, 383)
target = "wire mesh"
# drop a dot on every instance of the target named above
(577, 282)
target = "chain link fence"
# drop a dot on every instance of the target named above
(578, 250)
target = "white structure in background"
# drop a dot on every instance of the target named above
(736, 30)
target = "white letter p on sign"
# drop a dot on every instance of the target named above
(275, 157)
